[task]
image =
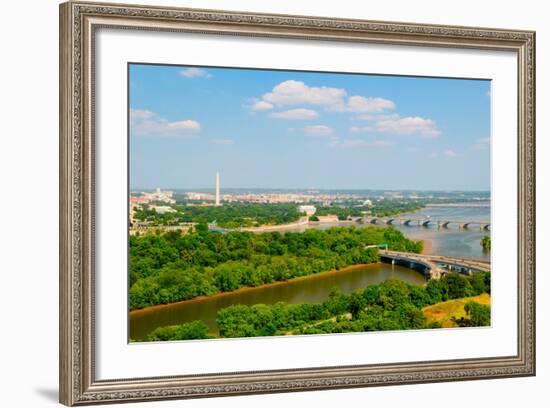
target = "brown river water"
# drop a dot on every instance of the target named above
(309, 289)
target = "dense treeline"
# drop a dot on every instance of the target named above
(173, 266)
(187, 331)
(391, 305)
(386, 208)
(236, 215)
(230, 215)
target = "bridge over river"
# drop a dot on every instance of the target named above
(435, 266)
(424, 222)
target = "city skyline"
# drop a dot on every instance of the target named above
(218, 190)
(303, 130)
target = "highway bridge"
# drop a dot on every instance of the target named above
(435, 266)
(425, 222)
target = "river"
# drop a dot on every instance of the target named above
(449, 241)
(310, 289)
(314, 289)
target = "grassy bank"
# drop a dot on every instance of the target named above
(444, 313)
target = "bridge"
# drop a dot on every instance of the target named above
(435, 266)
(425, 222)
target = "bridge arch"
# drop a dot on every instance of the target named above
(434, 266)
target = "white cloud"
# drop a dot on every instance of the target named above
(377, 117)
(450, 153)
(292, 92)
(296, 114)
(223, 141)
(195, 73)
(378, 111)
(360, 104)
(353, 142)
(382, 143)
(317, 130)
(482, 144)
(261, 105)
(350, 143)
(409, 125)
(148, 123)
(403, 126)
(141, 114)
(296, 92)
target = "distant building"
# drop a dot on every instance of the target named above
(138, 200)
(308, 209)
(162, 209)
(158, 195)
(367, 202)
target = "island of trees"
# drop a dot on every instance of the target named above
(391, 305)
(486, 242)
(230, 215)
(386, 208)
(173, 266)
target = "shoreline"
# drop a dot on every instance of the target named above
(427, 247)
(247, 288)
(299, 224)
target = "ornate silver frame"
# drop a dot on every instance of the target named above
(78, 22)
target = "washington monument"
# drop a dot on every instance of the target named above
(217, 188)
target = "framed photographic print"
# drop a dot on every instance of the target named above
(256, 203)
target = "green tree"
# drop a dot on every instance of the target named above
(236, 321)
(479, 281)
(436, 291)
(187, 331)
(356, 304)
(486, 242)
(457, 286)
(478, 315)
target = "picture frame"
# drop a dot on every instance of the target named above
(79, 24)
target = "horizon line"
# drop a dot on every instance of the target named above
(317, 188)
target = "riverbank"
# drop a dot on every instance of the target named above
(309, 307)
(302, 223)
(220, 295)
(427, 246)
(315, 289)
(270, 228)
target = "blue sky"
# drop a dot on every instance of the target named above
(284, 129)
